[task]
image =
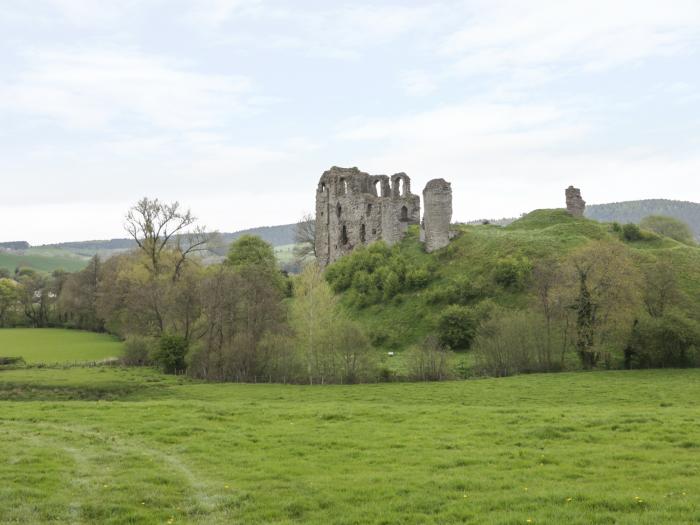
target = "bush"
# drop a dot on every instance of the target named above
(137, 350)
(460, 291)
(513, 273)
(457, 327)
(632, 233)
(169, 354)
(375, 273)
(672, 340)
(430, 361)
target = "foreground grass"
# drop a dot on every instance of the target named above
(133, 446)
(55, 345)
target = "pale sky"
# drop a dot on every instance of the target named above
(236, 107)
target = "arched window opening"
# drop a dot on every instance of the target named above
(404, 213)
(402, 187)
(342, 187)
(377, 188)
(344, 235)
(338, 210)
(369, 210)
(323, 187)
(362, 233)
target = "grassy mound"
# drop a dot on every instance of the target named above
(609, 447)
(469, 264)
(55, 345)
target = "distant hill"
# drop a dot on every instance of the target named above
(275, 235)
(73, 256)
(635, 211)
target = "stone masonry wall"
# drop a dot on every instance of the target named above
(437, 214)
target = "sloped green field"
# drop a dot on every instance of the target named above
(132, 446)
(43, 260)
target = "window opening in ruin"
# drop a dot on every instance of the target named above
(377, 188)
(338, 210)
(323, 187)
(374, 232)
(402, 187)
(369, 210)
(343, 187)
(344, 235)
(404, 213)
(362, 233)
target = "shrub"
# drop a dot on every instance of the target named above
(430, 361)
(513, 273)
(631, 232)
(137, 350)
(375, 273)
(460, 291)
(169, 354)
(457, 327)
(672, 340)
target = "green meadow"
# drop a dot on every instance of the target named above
(56, 345)
(43, 260)
(116, 446)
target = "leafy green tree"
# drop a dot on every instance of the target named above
(669, 227)
(252, 251)
(9, 297)
(169, 354)
(604, 285)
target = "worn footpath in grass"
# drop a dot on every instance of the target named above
(56, 345)
(132, 446)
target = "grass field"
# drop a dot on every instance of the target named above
(49, 345)
(111, 445)
(43, 260)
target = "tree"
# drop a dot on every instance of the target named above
(604, 285)
(78, 297)
(252, 251)
(9, 296)
(305, 239)
(669, 227)
(547, 280)
(661, 288)
(157, 227)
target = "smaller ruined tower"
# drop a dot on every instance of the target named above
(575, 205)
(437, 214)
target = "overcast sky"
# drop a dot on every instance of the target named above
(236, 107)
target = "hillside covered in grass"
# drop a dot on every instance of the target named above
(400, 294)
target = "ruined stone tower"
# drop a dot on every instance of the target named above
(575, 205)
(437, 214)
(354, 208)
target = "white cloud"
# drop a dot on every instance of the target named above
(95, 88)
(506, 35)
(504, 160)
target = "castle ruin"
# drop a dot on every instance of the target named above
(575, 204)
(437, 199)
(354, 208)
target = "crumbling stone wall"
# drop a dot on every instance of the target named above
(575, 205)
(437, 214)
(355, 208)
